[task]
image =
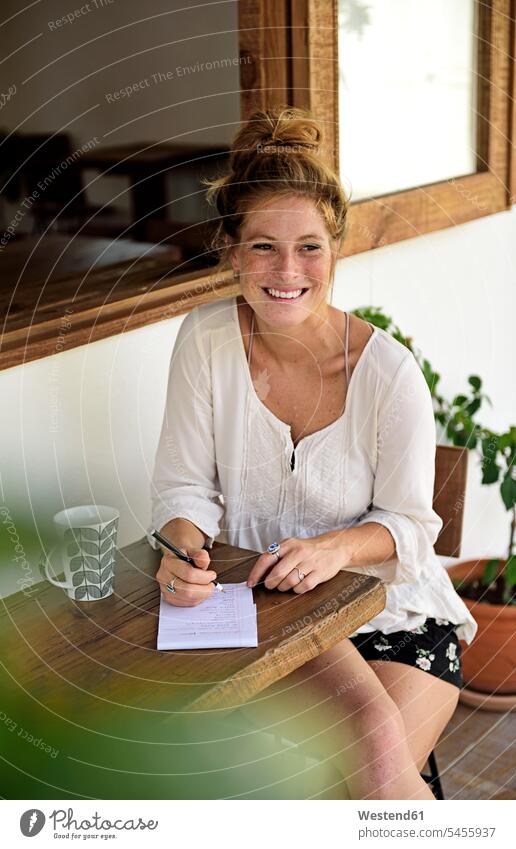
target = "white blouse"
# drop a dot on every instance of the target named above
(224, 462)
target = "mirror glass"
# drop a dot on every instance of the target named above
(407, 93)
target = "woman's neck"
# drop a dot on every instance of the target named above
(315, 338)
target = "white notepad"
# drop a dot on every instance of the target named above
(224, 620)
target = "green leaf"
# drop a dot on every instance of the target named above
(72, 549)
(475, 382)
(81, 592)
(505, 441)
(473, 406)
(76, 563)
(510, 572)
(93, 577)
(508, 490)
(490, 571)
(77, 578)
(490, 471)
(94, 592)
(459, 400)
(106, 589)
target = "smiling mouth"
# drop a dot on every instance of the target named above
(285, 295)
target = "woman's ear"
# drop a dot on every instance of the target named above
(231, 253)
(336, 247)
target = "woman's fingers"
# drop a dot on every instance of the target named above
(276, 569)
(171, 566)
(186, 594)
(282, 570)
(290, 581)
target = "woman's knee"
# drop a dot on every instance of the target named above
(377, 722)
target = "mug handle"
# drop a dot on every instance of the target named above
(44, 563)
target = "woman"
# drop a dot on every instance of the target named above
(291, 422)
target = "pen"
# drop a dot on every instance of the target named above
(181, 555)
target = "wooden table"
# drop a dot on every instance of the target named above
(87, 679)
(104, 642)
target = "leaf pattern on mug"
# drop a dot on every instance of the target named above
(106, 558)
(105, 573)
(90, 547)
(93, 566)
(92, 577)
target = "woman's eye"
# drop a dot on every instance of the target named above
(312, 247)
(262, 245)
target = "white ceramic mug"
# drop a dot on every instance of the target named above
(86, 551)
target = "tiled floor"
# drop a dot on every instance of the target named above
(476, 755)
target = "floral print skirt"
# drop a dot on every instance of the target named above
(433, 647)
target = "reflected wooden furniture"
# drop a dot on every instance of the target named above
(123, 284)
(148, 165)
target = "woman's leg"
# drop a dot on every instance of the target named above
(337, 705)
(426, 704)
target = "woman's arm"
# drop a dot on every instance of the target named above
(371, 543)
(185, 481)
(184, 534)
(403, 486)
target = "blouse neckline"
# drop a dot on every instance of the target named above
(279, 423)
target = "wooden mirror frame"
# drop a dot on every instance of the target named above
(292, 46)
(307, 31)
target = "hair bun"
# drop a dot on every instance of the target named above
(279, 130)
(275, 153)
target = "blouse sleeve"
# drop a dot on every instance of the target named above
(185, 480)
(404, 477)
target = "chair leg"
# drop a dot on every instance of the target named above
(434, 779)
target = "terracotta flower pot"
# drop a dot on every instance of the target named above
(489, 662)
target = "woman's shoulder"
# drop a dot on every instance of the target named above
(214, 315)
(384, 355)
(199, 325)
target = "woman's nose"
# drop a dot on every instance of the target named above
(287, 262)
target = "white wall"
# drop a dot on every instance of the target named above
(83, 425)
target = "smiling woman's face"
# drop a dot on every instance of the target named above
(284, 259)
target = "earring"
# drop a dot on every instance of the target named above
(236, 275)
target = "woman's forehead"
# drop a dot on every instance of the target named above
(297, 218)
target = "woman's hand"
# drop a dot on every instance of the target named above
(318, 558)
(192, 584)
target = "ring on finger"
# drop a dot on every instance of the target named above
(170, 585)
(301, 574)
(274, 548)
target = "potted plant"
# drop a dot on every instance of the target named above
(487, 586)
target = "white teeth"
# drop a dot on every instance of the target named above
(277, 294)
